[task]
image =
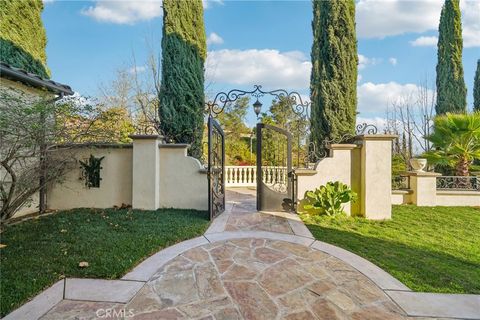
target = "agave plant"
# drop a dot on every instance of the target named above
(455, 141)
(328, 199)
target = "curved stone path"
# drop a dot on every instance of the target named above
(251, 265)
(260, 279)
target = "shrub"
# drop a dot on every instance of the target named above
(328, 199)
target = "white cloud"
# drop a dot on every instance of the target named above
(393, 61)
(271, 68)
(124, 11)
(470, 23)
(375, 98)
(424, 42)
(380, 18)
(214, 38)
(128, 11)
(364, 61)
(206, 3)
(137, 69)
(383, 18)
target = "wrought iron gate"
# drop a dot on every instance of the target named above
(275, 188)
(274, 169)
(216, 168)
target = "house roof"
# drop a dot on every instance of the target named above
(17, 74)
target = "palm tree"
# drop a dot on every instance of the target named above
(455, 141)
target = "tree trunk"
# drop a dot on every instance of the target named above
(462, 167)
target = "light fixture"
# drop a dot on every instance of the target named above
(257, 107)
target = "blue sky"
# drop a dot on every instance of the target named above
(258, 42)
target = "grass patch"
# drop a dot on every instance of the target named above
(434, 249)
(39, 252)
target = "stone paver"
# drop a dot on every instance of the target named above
(243, 216)
(259, 279)
(86, 310)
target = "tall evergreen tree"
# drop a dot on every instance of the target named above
(183, 56)
(476, 88)
(22, 36)
(451, 89)
(333, 84)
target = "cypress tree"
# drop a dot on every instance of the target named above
(22, 36)
(183, 56)
(451, 89)
(333, 83)
(476, 88)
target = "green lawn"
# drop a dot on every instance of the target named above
(39, 252)
(428, 249)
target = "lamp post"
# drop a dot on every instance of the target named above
(257, 108)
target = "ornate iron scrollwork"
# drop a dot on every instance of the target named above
(216, 168)
(458, 183)
(91, 171)
(218, 104)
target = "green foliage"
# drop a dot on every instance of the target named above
(281, 114)
(183, 55)
(99, 125)
(237, 134)
(451, 89)
(22, 36)
(429, 249)
(476, 88)
(455, 141)
(327, 200)
(333, 84)
(398, 166)
(42, 251)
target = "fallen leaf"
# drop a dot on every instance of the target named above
(2, 245)
(83, 264)
(63, 230)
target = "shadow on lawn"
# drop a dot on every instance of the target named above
(417, 267)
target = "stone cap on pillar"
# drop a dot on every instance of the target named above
(381, 137)
(174, 145)
(342, 146)
(420, 174)
(145, 136)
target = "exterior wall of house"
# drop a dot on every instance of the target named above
(16, 90)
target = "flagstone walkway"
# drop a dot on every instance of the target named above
(248, 265)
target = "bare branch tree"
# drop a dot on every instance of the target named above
(31, 130)
(410, 117)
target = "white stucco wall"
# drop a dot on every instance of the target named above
(458, 198)
(115, 186)
(337, 167)
(183, 182)
(401, 197)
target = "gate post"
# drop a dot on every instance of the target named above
(146, 170)
(375, 176)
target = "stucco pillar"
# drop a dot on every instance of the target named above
(146, 172)
(375, 197)
(424, 187)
